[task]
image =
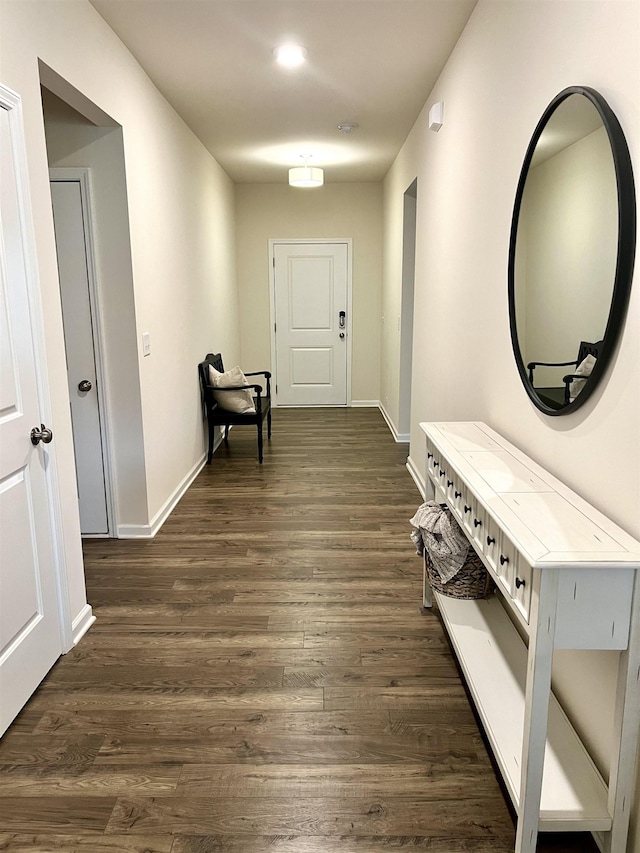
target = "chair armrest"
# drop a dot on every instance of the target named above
(533, 364)
(267, 376)
(265, 373)
(550, 363)
(256, 388)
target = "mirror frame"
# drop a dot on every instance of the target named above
(625, 252)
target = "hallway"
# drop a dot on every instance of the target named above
(261, 677)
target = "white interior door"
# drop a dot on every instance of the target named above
(311, 297)
(70, 214)
(30, 640)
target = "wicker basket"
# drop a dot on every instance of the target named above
(472, 581)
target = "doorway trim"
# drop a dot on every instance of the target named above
(273, 242)
(409, 232)
(82, 175)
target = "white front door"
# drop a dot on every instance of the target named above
(71, 215)
(30, 640)
(311, 323)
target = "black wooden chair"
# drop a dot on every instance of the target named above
(586, 348)
(217, 416)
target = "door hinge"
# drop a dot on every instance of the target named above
(275, 325)
(273, 261)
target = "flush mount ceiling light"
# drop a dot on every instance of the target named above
(347, 127)
(290, 55)
(306, 176)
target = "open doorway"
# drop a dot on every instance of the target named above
(406, 310)
(86, 158)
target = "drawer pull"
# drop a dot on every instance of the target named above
(429, 455)
(467, 509)
(442, 473)
(449, 483)
(491, 540)
(477, 522)
(520, 582)
(458, 494)
(503, 559)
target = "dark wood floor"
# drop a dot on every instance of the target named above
(261, 677)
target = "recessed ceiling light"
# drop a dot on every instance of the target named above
(290, 55)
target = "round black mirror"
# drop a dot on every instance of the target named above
(571, 250)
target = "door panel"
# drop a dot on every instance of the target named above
(69, 216)
(30, 640)
(311, 282)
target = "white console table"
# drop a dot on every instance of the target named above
(565, 576)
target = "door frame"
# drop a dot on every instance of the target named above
(320, 241)
(12, 103)
(83, 176)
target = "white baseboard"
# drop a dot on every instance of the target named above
(417, 477)
(399, 437)
(148, 531)
(361, 404)
(81, 624)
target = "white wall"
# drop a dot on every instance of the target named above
(510, 61)
(181, 216)
(265, 211)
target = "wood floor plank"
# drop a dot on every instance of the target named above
(164, 677)
(187, 642)
(262, 677)
(260, 657)
(18, 842)
(179, 700)
(474, 818)
(566, 843)
(204, 724)
(334, 780)
(100, 782)
(345, 698)
(382, 676)
(39, 751)
(232, 748)
(52, 814)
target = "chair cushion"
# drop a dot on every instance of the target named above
(584, 369)
(240, 402)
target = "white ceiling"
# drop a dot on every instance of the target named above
(372, 62)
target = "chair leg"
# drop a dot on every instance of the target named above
(210, 453)
(260, 443)
(226, 434)
(269, 424)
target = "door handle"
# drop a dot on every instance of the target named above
(342, 334)
(85, 385)
(342, 319)
(43, 435)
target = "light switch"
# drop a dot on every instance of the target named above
(146, 344)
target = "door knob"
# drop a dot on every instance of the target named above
(342, 334)
(43, 435)
(85, 385)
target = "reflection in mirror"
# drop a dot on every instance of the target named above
(564, 254)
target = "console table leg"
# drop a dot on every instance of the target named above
(542, 624)
(627, 727)
(427, 593)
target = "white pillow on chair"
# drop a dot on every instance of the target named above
(584, 369)
(240, 402)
